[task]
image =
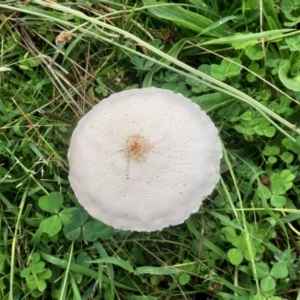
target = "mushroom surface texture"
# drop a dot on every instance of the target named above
(144, 159)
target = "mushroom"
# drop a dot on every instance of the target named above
(144, 159)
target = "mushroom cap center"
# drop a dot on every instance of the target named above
(137, 147)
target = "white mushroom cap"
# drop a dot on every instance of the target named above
(144, 159)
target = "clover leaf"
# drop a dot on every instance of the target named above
(291, 81)
(268, 276)
(278, 201)
(226, 69)
(36, 274)
(271, 150)
(51, 203)
(265, 128)
(240, 249)
(267, 284)
(89, 230)
(255, 68)
(292, 43)
(291, 145)
(254, 53)
(280, 183)
(235, 256)
(72, 230)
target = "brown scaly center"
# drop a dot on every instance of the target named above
(137, 147)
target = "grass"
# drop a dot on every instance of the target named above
(238, 60)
